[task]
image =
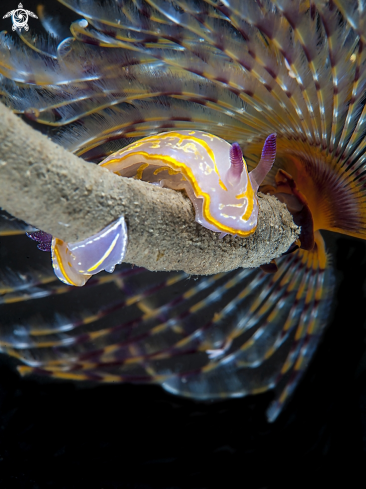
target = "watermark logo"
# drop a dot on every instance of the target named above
(20, 17)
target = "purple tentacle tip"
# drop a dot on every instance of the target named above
(44, 239)
(266, 162)
(236, 157)
(269, 148)
(237, 164)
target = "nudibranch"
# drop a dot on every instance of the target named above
(212, 172)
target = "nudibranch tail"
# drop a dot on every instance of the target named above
(75, 263)
(237, 165)
(265, 163)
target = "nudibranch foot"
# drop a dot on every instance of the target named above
(75, 263)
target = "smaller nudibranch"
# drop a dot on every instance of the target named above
(212, 172)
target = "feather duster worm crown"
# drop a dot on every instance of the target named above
(239, 70)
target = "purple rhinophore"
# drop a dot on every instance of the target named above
(237, 164)
(266, 162)
(236, 159)
(269, 147)
(44, 239)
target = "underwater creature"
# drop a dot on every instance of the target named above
(212, 172)
(239, 70)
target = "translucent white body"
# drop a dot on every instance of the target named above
(198, 163)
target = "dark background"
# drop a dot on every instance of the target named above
(62, 435)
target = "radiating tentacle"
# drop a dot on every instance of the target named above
(53, 23)
(253, 342)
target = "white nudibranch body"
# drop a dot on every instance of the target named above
(212, 172)
(214, 176)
